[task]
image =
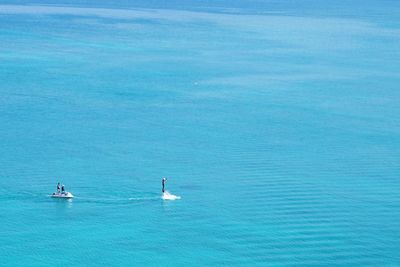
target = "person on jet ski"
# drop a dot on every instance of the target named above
(164, 180)
(58, 188)
(62, 189)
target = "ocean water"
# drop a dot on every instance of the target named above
(276, 122)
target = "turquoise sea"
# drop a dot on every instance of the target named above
(277, 122)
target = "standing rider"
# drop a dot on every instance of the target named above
(58, 188)
(62, 189)
(164, 180)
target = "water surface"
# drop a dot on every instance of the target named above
(277, 123)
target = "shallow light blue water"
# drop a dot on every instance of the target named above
(277, 123)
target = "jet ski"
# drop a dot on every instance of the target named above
(62, 195)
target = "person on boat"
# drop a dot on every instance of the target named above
(58, 188)
(62, 189)
(164, 180)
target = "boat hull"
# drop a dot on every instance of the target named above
(62, 195)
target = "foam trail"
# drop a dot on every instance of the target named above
(117, 199)
(169, 196)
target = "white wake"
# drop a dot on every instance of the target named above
(168, 196)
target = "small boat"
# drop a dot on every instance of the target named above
(62, 195)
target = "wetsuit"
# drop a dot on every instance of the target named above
(62, 189)
(163, 185)
(58, 188)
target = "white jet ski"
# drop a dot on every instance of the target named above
(62, 195)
